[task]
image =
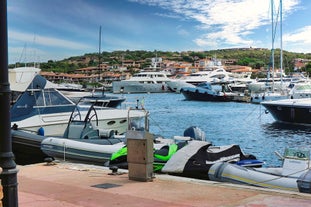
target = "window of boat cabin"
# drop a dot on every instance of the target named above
(50, 97)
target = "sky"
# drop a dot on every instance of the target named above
(42, 30)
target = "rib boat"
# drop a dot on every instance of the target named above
(294, 175)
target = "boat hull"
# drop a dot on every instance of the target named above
(198, 95)
(26, 147)
(136, 87)
(80, 151)
(226, 172)
(55, 124)
(291, 112)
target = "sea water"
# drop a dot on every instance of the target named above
(224, 123)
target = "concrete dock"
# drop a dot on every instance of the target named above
(75, 185)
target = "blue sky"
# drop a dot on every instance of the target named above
(42, 30)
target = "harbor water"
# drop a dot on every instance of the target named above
(224, 123)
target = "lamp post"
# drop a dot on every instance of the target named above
(7, 164)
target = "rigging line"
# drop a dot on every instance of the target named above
(276, 23)
(156, 123)
(261, 112)
(249, 114)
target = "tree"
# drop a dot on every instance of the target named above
(308, 69)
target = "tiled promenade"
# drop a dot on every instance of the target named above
(75, 185)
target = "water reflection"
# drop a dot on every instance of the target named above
(281, 136)
(286, 128)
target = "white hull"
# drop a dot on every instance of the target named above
(55, 124)
(258, 98)
(236, 174)
(79, 151)
(143, 82)
(136, 87)
(177, 85)
(294, 175)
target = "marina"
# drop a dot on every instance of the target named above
(69, 140)
(249, 127)
(246, 124)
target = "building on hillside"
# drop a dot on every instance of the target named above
(65, 77)
(299, 63)
(131, 63)
(240, 71)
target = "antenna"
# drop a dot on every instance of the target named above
(99, 51)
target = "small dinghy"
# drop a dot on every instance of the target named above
(294, 175)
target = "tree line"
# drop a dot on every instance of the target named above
(255, 58)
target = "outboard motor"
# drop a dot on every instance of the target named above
(195, 132)
(304, 182)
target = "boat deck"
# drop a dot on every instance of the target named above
(69, 185)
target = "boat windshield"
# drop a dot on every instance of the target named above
(50, 97)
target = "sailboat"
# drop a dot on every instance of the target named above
(272, 93)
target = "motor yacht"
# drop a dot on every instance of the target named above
(143, 82)
(45, 110)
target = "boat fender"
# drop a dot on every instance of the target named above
(41, 131)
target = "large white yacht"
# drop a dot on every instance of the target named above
(194, 79)
(143, 82)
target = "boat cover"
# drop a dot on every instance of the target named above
(195, 159)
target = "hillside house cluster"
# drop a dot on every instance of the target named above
(108, 73)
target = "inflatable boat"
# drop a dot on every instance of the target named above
(294, 175)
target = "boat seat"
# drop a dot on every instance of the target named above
(103, 133)
(75, 130)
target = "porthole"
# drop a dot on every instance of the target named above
(122, 121)
(111, 122)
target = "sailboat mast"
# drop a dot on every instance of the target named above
(281, 42)
(99, 51)
(272, 46)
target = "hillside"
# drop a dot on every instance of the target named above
(253, 57)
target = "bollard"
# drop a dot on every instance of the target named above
(140, 155)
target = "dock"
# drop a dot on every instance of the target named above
(70, 184)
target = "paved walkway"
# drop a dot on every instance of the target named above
(75, 185)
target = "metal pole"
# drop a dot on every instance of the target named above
(7, 164)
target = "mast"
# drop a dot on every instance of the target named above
(99, 51)
(272, 46)
(281, 43)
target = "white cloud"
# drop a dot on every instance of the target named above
(46, 41)
(302, 35)
(229, 21)
(299, 40)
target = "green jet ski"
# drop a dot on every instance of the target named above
(161, 156)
